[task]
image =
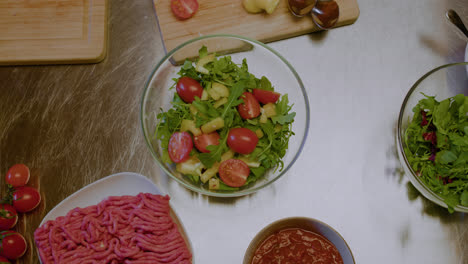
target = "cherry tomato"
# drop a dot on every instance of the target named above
(242, 140)
(8, 217)
(3, 260)
(17, 175)
(265, 97)
(12, 245)
(25, 199)
(180, 146)
(205, 140)
(234, 172)
(184, 9)
(187, 88)
(250, 108)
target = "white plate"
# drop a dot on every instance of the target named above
(124, 183)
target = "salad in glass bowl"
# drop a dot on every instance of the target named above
(433, 136)
(225, 131)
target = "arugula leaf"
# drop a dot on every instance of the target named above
(283, 107)
(459, 140)
(210, 158)
(268, 129)
(441, 115)
(258, 172)
(451, 200)
(234, 97)
(464, 198)
(187, 65)
(244, 67)
(193, 178)
(265, 84)
(206, 108)
(463, 109)
(427, 104)
(282, 112)
(445, 157)
(284, 119)
(202, 52)
(188, 70)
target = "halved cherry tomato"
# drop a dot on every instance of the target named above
(25, 199)
(184, 9)
(8, 217)
(187, 88)
(17, 175)
(242, 140)
(265, 97)
(250, 108)
(12, 245)
(180, 145)
(234, 172)
(205, 140)
(4, 260)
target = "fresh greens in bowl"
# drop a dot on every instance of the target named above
(239, 125)
(436, 147)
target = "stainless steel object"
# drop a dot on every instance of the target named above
(455, 19)
(325, 13)
(301, 7)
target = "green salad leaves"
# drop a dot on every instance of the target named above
(276, 131)
(437, 147)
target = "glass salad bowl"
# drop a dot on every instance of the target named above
(262, 60)
(442, 82)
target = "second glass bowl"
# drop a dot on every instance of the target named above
(442, 82)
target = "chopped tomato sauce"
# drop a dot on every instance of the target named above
(296, 245)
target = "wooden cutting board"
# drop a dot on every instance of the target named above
(229, 17)
(52, 31)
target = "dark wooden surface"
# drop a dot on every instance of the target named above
(74, 124)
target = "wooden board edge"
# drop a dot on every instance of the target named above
(355, 14)
(105, 45)
(159, 27)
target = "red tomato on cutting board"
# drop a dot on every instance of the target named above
(8, 217)
(184, 9)
(13, 244)
(25, 199)
(17, 175)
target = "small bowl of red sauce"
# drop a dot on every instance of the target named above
(298, 240)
